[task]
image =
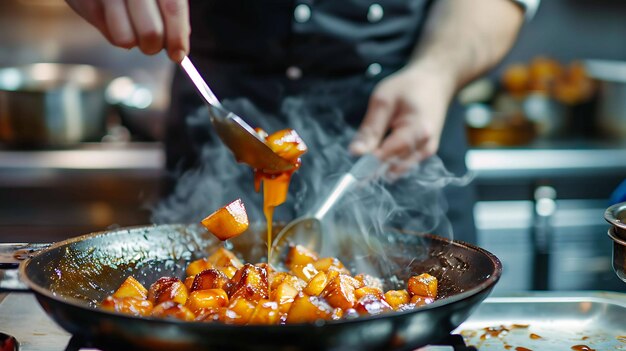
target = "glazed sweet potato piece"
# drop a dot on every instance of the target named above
(372, 305)
(305, 272)
(189, 282)
(171, 309)
(340, 291)
(397, 298)
(210, 279)
(205, 299)
(228, 221)
(423, 285)
(127, 305)
(368, 280)
(131, 288)
(283, 295)
(276, 278)
(368, 290)
(305, 308)
(222, 258)
(243, 310)
(229, 271)
(287, 144)
(168, 289)
(266, 312)
(250, 282)
(316, 284)
(198, 266)
(329, 263)
(300, 256)
(417, 300)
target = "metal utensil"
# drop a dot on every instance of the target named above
(238, 136)
(307, 230)
(616, 216)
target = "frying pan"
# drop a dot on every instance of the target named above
(70, 277)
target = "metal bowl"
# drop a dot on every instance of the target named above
(48, 104)
(616, 216)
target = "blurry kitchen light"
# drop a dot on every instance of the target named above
(84, 74)
(141, 98)
(119, 90)
(478, 115)
(479, 90)
(45, 71)
(10, 79)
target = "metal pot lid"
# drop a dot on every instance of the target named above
(616, 215)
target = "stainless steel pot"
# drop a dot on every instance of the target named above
(47, 104)
(616, 216)
(612, 98)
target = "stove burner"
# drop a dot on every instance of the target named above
(453, 342)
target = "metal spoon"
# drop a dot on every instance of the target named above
(307, 230)
(238, 136)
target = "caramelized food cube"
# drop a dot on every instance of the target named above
(316, 284)
(397, 298)
(168, 289)
(189, 282)
(243, 308)
(261, 133)
(287, 144)
(222, 258)
(266, 312)
(198, 266)
(276, 278)
(210, 298)
(423, 285)
(337, 314)
(372, 305)
(305, 272)
(210, 279)
(131, 288)
(229, 271)
(127, 305)
(327, 263)
(250, 282)
(284, 293)
(368, 280)
(305, 308)
(368, 290)
(300, 256)
(227, 222)
(171, 309)
(340, 291)
(417, 300)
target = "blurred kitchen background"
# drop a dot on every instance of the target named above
(547, 127)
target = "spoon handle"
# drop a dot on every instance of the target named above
(363, 169)
(199, 82)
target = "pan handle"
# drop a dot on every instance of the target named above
(11, 255)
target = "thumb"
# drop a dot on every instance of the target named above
(375, 123)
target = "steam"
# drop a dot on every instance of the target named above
(413, 202)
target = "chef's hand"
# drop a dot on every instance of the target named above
(151, 25)
(405, 118)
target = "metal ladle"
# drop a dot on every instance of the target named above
(238, 136)
(307, 230)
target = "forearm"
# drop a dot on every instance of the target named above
(462, 39)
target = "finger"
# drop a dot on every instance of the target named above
(402, 141)
(375, 123)
(400, 167)
(175, 14)
(118, 24)
(92, 12)
(147, 25)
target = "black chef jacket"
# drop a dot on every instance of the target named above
(267, 50)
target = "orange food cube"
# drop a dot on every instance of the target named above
(261, 133)
(372, 305)
(368, 280)
(189, 282)
(337, 314)
(223, 258)
(423, 285)
(250, 282)
(287, 144)
(168, 289)
(305, 272)
(171, 309)
(210, 298)
(284, 292)
(316, 284)
(368, 290)
(299, 255)
(266, 312)
(243, 308)
(229, 271)
(305, 308)
(397, 298)
(131, 288)
(210, 279)
(276, 278)
(327, 263)
(127, 305)
(227, 222)
(417, 300)
(339, 292)
(198, 266)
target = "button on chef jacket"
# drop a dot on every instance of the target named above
(334, 50)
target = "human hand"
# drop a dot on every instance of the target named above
(151, 25)
(405, 117)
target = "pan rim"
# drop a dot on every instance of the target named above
(488, 283)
